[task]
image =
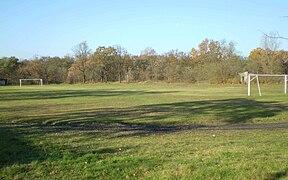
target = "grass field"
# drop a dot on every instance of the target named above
(143, 131)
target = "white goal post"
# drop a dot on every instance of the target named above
(251, 77)
(40, 81)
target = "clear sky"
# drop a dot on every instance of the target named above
(53, 27)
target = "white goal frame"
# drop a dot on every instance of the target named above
(40, 81)
(251, 77)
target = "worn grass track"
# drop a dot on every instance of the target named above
(149, 130)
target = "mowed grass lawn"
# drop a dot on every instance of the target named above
(143, 131)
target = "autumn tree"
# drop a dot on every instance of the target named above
(81, 55)
(153, 64)
(128, 67)
(57, 68)
(216, 61)
(174, 65)
(8, 68)
(34, 68)
(121, 54)
(213, 61)
(105, 60)
(266, 61)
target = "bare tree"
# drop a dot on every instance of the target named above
(121, 53)
(82, 53)
(276, 35)
(270, 43)
(148, 51)
(270, 46)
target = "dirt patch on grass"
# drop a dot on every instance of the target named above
(136, 129)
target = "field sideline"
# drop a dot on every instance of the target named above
(144, 130)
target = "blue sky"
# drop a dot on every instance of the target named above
(53, 27)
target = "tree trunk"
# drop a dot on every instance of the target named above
(84, 77)
(119, 74)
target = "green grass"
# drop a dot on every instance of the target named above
(145, 130)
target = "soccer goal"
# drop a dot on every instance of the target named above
(39, 81)
(252, 77)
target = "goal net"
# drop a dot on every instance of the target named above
(31, 81)
(251, 77)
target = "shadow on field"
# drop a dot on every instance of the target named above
(58, 94)
(130, 122)
(278, 175)
(14, 149)
(157, 118)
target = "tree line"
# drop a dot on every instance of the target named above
(213, 61)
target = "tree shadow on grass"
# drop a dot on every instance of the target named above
(231, 111)
(130, 122)
(59, 94)
(15, 149)
(278, 175)
(157, 118)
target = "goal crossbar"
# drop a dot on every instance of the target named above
(40, 81)
(270, 75)
(255, 76)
